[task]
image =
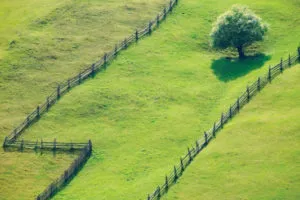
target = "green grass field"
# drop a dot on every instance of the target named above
(256, 156)
(160, 95)
(44, 42)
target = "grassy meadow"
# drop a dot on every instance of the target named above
(256, 155)
(44, 42)
(158, 96)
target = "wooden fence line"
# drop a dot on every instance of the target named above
(68, 174)
(200, 144)
(90, 71)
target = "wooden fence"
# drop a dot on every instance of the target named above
(250, 91)
(68, 174)
(90, 71)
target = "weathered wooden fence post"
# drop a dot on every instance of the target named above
(136, 35)
(54, 144)
(248, 93)
(281, 65)
(238, 104)
(197, 146)
(79, 78)
(157, 20)
(38, 112)
(214, 130)
(175, 174)
(230, 111)
(181, 164)
(171, 6)
(270, 74)
(167, 183)
(58, 92)
(90, 146)
(69, 84)
(258, 84)
(205, 138)
(290, 62)
(222, 120)
(190, 155)
(48, 103)
(150, 28)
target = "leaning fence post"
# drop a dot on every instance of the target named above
(136, 35)
(38, 111)
(258, 84)
(149, 27)
(281, 65)
(58, 91)
(175, 174)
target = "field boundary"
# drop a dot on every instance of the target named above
(201, 143)
(11, 142)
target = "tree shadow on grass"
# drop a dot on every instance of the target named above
(228, 69)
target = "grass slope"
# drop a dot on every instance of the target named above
(256, 156)
(43, 42)
(158, 97)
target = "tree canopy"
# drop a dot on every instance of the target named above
(239, 27)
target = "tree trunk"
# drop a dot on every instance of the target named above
(241, 51)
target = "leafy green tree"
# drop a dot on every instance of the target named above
(237, 28)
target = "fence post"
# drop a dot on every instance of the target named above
(167, 183)
(125, 43)
(27, 120)
(158, 192)
(165, 13)
(149, 28)
(214, 130)
(90, 146)
(93, 69)
(281, 65)
(190, 155)
(176, 2)
(238, 103)
(66, 176)
(79, 78)
(38, 112)
(157, 20)
(248, 93)
(58, 91)
(22, 145)
(181, 164)
(175, 174)
(36, 145)
(299, 53)
(171, 7)
(290, 62)
(206, 138)
(270, 74)
(105, 60)
(230, 111)
(69, 84)
(197, 146)
(48, 103)
(136, 35)
(54, 144)
(148, 198)
(42, 146)
(4, 143)
(258, 84)
(222, 120)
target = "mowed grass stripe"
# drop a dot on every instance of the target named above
(157, 98)
(256, 156)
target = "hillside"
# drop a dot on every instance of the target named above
(256, 156)
(44, 42)
(158, 97)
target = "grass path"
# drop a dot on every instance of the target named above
(158, 97)
(44, 42)
(256, 156)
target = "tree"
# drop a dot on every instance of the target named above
(237, 28)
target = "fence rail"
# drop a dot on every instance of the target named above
(200, 144)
